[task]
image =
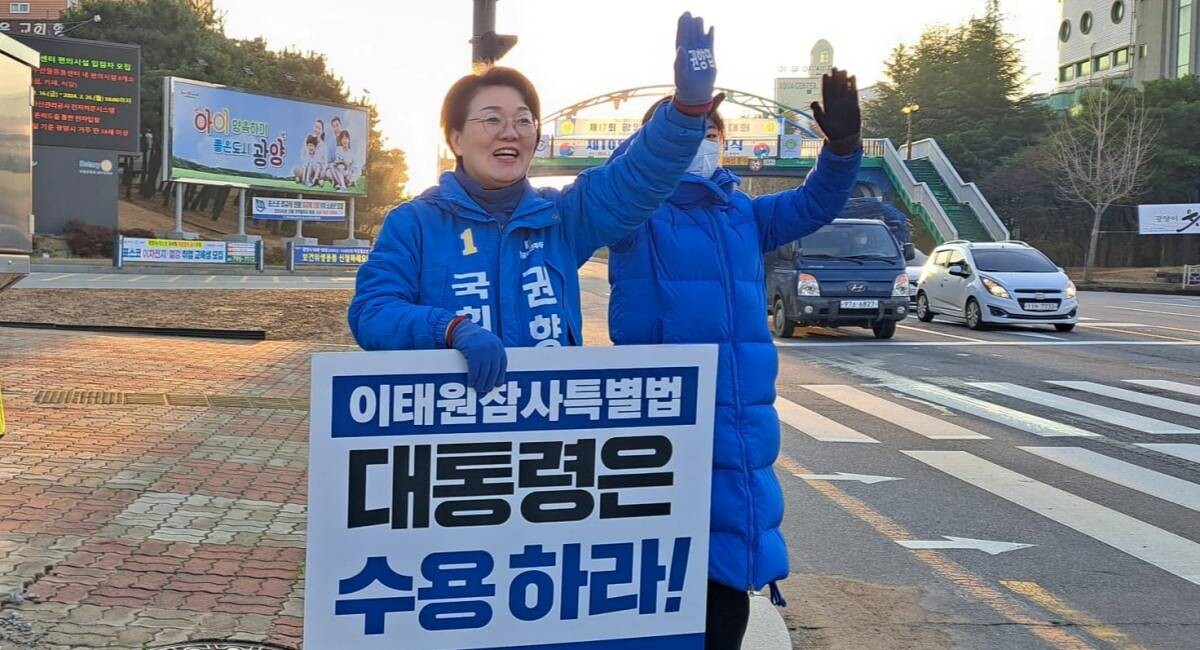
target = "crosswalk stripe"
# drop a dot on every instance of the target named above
(1157, 484)
(1178, 450)
(1013, 418)
(1161, 548)
(1133, 396)
(816, 425)
(1085, 409)
(902, 416)
(1162, 384)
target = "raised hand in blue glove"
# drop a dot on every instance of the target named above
(486, 359)
(838, 114)
(695, 67)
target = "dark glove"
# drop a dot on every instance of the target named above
(838, 114)
(486, 359)
(695, 67)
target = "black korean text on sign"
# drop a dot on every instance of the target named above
(464, 484)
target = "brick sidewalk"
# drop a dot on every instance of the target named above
(152, 490)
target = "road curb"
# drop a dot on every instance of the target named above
(766, 631)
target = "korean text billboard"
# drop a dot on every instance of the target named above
(224, 136)
(567, 508)
(86, 94)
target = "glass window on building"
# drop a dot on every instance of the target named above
(1083, 68)
(1184, 58)
(18, 7)
(1121, 57)
(1066, 73)
(1103, 62)
(1118, 12)
(1085, 22)
(1064, 31)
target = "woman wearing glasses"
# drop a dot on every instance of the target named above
(484, 260)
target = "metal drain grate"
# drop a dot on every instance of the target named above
(105, 398)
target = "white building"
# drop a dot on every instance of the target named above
(1131, 40)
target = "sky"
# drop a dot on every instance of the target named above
(405, 54)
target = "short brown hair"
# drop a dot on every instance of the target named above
(458, 99)
(713, 115)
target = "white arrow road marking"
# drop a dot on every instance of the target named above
(1161, 548)
(843, 476)
(947, 542)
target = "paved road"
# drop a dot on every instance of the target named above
(128, 280)
(1078, 452)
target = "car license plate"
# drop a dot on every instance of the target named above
(860, 304)
(1041, 306)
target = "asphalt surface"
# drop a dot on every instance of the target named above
(1101, 480)
(1113, 525)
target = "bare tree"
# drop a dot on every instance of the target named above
(1103, 153)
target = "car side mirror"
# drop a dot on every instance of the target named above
(957, 269)
(910, 253)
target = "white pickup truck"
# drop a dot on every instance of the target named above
(16, 159)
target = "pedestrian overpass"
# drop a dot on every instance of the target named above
(927, 185)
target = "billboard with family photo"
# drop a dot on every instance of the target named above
(219, 135)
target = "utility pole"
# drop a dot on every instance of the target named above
(486, 45)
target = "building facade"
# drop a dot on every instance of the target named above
(1130, 41)
(34, 9)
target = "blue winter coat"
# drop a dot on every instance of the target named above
(693, 273)
(440, 254)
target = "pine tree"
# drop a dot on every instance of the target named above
(968, 81)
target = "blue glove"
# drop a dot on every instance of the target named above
(486, 360)
(695, 67)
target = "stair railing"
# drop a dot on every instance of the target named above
(963, 192)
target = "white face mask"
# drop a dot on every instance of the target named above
(707, 159)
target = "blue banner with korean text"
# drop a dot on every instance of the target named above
(566, 509)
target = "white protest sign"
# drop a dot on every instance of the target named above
(568, 508)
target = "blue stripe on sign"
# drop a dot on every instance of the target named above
(397, 405)
(674, 642)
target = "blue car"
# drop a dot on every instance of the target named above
(849, 273)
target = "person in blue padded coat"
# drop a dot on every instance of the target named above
(693, 273)
(484, 260)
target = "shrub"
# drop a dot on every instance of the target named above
(89, 240)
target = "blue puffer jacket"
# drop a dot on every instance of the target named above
(693, 273)
(440, 254)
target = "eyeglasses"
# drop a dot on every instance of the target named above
(494, 125)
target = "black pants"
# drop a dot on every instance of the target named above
(727, 617)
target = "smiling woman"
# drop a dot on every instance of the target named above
(484, 260)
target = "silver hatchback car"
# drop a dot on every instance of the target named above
(1006, 282)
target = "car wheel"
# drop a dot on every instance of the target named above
(974, 315)
(1064, 327)
(924, 313)
(781, 325)
(884, 329)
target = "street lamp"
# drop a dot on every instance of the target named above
(908, 111)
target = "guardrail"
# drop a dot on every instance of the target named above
(963, 192)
